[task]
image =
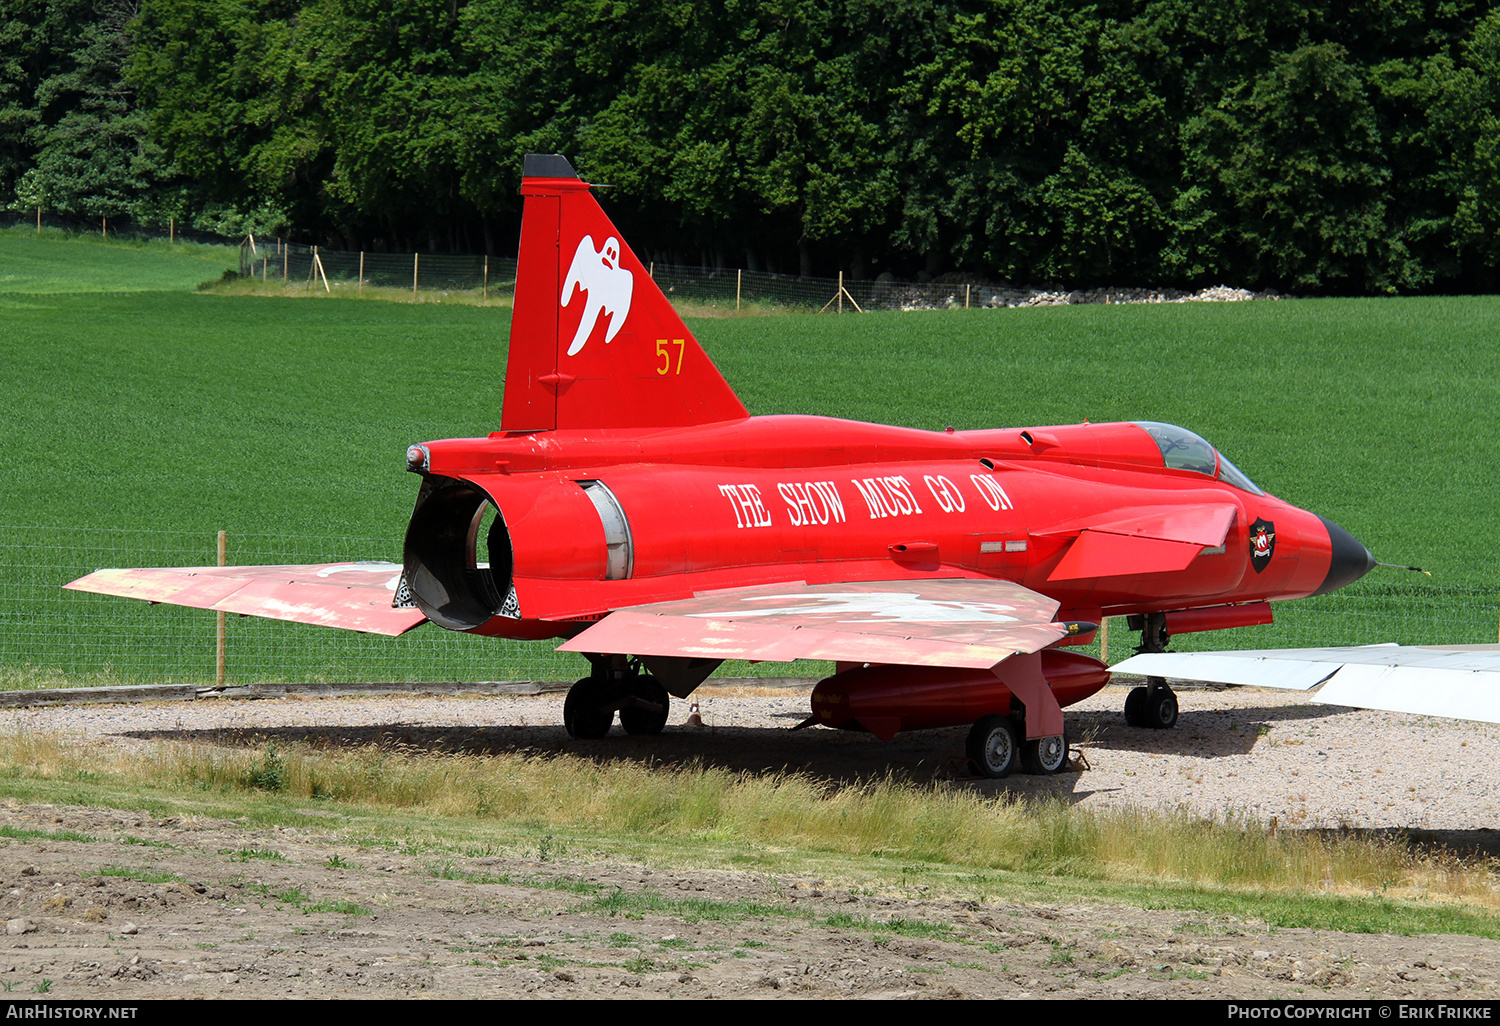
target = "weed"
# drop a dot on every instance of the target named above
(246, 854)
(143, 875)
(127, 839)
(45, 987)
(267, 774)
(640, 965)
(50, 835)
(343, 908)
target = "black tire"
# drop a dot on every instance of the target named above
(1135, 707)
(992, 746)
(1046, 755)
(645, 709)
(1161, 710)
(582, 717)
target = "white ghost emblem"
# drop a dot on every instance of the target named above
(598, 273)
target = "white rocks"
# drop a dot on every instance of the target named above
(949, 297)
(1213, 294)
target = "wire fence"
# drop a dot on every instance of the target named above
(294, 265)
(50, 637)
(121, 227)
(298, 266)
(53, 637)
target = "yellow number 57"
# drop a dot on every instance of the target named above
(666, 357)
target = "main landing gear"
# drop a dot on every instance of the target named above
(615, 685)
(1154, 705)
(994, 746)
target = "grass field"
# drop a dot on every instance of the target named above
(138, 405)
(145, 417)
(52, 262)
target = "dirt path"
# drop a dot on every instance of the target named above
(201, 909)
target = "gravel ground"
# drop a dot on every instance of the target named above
(115, 904)
(1261, 754)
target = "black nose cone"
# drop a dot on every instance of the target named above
(1350, 561)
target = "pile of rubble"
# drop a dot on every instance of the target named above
(1214, 294)
(950, 297)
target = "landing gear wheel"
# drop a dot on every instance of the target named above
(1045, 755)
(644, 710)
(1135, 707)
(1161, 710)
(582, 716)
(992, 746)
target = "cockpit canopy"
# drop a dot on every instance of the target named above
(1183, 450)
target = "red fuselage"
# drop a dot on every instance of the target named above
(793, 498)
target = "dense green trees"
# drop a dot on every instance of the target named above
(1311, 146)
(70, 138)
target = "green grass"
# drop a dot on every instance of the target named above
(144, 418)
(22, 833)
(57, 262)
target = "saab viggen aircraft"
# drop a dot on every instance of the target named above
(630, 505)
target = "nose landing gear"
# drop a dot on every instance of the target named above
(1154, 705)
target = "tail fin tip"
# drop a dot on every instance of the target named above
(547, 165)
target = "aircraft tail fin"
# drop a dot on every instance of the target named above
(593, 342)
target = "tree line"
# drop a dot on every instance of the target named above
(1319, 148)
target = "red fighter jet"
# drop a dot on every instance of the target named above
(630, 505)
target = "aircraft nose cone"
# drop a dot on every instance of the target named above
(1350, 560)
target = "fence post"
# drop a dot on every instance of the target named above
(485, 294)
(739, 278)
(966, 297)
(285, 260)
(1104, 641)
(414, 276)
(172, 230)
(361, 272)
(104, 227)
(219, 643)
(39, 220)
(841, 292)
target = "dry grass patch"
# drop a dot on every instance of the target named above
(940, 825)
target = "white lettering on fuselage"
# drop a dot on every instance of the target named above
(949, 498)
(749, 508)
(819, 503)
(812, 502)
(991, 492)
(887, 496)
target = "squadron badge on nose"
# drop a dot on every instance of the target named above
(1262, 543)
